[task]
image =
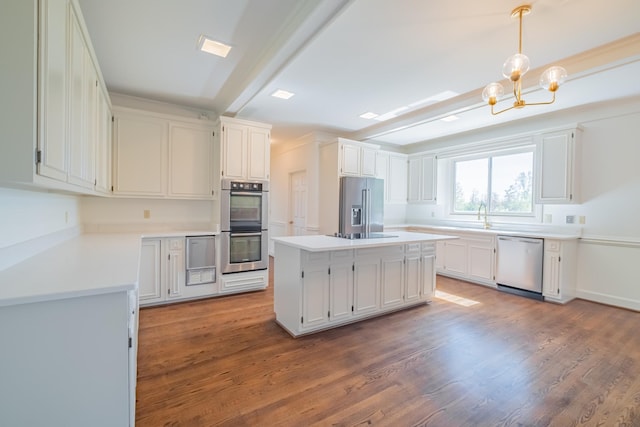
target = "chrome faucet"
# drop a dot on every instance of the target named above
(486, 221)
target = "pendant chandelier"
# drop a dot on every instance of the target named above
(515, 67)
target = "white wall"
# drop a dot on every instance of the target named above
(299, 156)
(100, 214)
(32, 221)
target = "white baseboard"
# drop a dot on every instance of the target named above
(609, 300)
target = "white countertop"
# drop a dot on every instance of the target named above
(89, 264)
(494, 231)
(161, 234)
(320, 243)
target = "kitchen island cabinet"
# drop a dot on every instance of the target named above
(322, 282)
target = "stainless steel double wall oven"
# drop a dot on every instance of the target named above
(243, 225)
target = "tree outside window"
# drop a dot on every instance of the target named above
(503, 182)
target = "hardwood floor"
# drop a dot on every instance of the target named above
(505, 360)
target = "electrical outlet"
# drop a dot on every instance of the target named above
(582, 219)
(147, 213)
(570, 219)
(548, 218)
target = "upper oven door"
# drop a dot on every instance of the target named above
(243, 210)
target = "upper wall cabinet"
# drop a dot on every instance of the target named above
(244, 149)
(392, 167)
(356, 158)
(163, 157)
(422, 178)
(558, 170)
(49, 109)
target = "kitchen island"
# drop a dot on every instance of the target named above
(321, 282)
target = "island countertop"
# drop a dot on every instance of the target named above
(320, 243)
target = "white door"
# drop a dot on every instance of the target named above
(297, 203)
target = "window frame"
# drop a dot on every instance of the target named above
(529, 148)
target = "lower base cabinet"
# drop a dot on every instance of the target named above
(244, 282)
(70, 361)
(163, 273)
(321, 290)
(471, 257)
(162, 277)
(559, 272)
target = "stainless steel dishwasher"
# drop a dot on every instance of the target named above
(519, 265)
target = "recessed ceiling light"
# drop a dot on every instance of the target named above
(369, 115)
(451, 118)
(213, 47)
(282, 94)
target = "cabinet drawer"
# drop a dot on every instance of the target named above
(176, 243)
(345, 255)
(412, 247)
(552, 245)
(309, 257)
(428, 246)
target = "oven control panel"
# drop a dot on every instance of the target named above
(247, 186)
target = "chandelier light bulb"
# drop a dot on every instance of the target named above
(552, 78)
(492, 92)
(515, 67)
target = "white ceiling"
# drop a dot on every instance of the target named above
(343, 58)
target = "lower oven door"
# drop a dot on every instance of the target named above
(241, 251)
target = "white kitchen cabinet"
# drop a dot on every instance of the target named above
(481, 253)
(69, 361)
(103, 143)
(175, 272)
(243, 282)
(340, 290)
(49, 101)
(393, 280)
(162, 275)
(150, 283)
(320, 290)
(422, 178)
(412, 274)
(558, 165)
(428, 273)
(357, 158)
(455, 257)
(392, 167)
(366, 285)
(82, 106)
(559, 270)
(139, 155)
(470, 257)
(403, 280)
(315, 296)
(244, 149)
(53, 89)
(161, 156)
(190, 162)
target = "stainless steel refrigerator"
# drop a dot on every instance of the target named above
(361, 206)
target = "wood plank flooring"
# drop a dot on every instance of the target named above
(503, 361)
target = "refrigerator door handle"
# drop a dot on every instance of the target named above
(367, 229)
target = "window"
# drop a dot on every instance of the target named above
(502, 181)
